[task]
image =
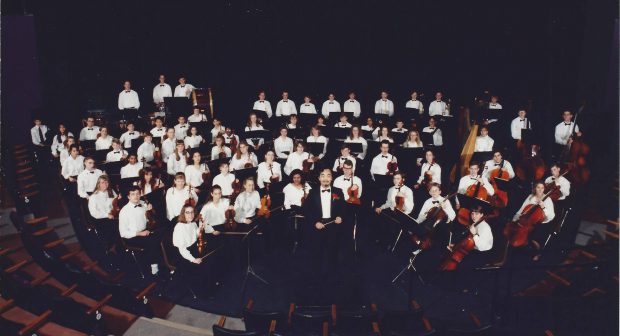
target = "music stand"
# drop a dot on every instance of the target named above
(356, 147)
(306, 119)
(242, 174)
(482, 157)
(315, 148)
(410, 268)
(427, 138)
(399, 137)
(261, 114)
(249, 269)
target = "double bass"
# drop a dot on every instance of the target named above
(517, 232)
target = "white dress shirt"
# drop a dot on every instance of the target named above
(435, 202)
(563, 183)
(100, 204)
(132, 219)
(517, 124)
(194, 118)
(193, 175)
(437, 135)
(434, 169)
(146, 151)
(399, 130)
(215, 152)
(484, 144)
(246, 205)
(36, 137)
(437, 108)
(225, 182)
(495, 106)
(467, 181)
(87, 181)
(175, 199)
(307, 108)
(263, 105)
(293, 196)
(548, 211)
(167, 148)
(180, 131)
(320, 139)
(330, 106)
(238, 164)
(563, 131)
(340, 161)
(415, 104)
(126, 138)
(285, 108)
(174, 166)
(128, 100)
(115, 155)
(62, 157)
(264, 174)
(379, 164)
(89, 133)
(384, 106)
(215, 131)
(344, 183)
(103, 143)
(183, 237)
(183, 90)
(57, 146)
(160, 91)
(483, 237)
(364, 143)
(341, 125)
(390, 202)
(281, 145)
(352, 106)
(215, 214)
(192, 141)
(158, 132)
(295, 161)
(72, 167)
(490, 165)
(131, 170)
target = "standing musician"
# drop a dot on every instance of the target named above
(519, 123)
(224, 179)
(148, 183)
(160, 91)
(498, 162)
(88, 178)
(323, 210)
(128, 98)
(168, 144)
(132, 227)
(330, 105)
(384, 106)
(117, 153)
(269, 171)
(159, 131)
(177, 161)
(437, 106)
(384, 161)
(263, 105)
(243, 158)
(132, 168)
(415, 103)
(430, 172)
(90, 131)
(283, 145)
(355, 136)
(196, 172)
(285, 107)
(177, 195)
(484, 143)
(564, 132)
(352, 105)
(104, 140)
(220, 151)
(299, 158)
(183, 89)
(345, 154)
(307, 106)
(100, 207)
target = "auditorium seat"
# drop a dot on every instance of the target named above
(262, 321)
(310, 321)
(219, 330)
(353, 323)
(407, 322)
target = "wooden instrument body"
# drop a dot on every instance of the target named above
(476, 190)
(230, 224)
(400, 203)
(265, 205)
(517, 232)
(500, 197)
(459, 252)
(392, 168)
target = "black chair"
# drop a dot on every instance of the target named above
(486, 330)
(310, 322)
(406, 323)
(219, 330)
(132, 250)
(354, 323)
(264, 322)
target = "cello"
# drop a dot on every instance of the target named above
(500, 197)
(574, 154)
(553, 189)
(475, 191)
(459, 252)
(392, 167)
(517, 232)
(436, 214)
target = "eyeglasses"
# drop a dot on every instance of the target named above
(189, 212)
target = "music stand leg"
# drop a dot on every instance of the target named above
(397, 239)
(411, 268)
(296, 228)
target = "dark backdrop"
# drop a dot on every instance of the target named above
(556, 53)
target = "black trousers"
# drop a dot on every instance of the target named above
(324, 247)
(150, 244)
(107, 230)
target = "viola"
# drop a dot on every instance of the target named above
(354, 194)
(392, 167)
(222, 154)
(151, 222)
(233, 142)
(500, 197)
(190, 201)
(517, 232)
(265, 204)
(206, 176)
(157, 159)
(307, 164)
(236, 187)
(248, 164)
(115, 209)
(273, 178)
(476, 191)
(230, 224)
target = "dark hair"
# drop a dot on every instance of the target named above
(348, 162)
(132, 188)
(142, 175)
(300, 173)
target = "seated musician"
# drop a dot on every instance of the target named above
(400, 127)
(370, 126)
(430, 170)
(168, 144)
(307, 106)
(194, 173)
(213, 213)
(379, 165)
(292, 122)
(343, 122)
(132, 227)
(484, 143)
(90, 131)
(220, 151)
(316, 137)
(88, 178)
(283, 145)
(254, 124)
(558, 180)
(132, 168)
(127, 137)
(193, 139)
(146, 151)
(348, 180)
(66, 150)
(268, 171)
(493, 104)
(243, 158)
(218, 129)
(59, 139)
(247, 203)
(355, 136)
(148, 183)
(537, 197)
(474, 178)
(229, 136)
(498, 162)
(297, 158)
(197, 116)
(177, 161)
(180, 129)
(477, 231)
(436, 200)
(296, 191)
(159, 131)
(413, 140)
(117, 153)
(177, 196)
(100, 208)
(345, 154)
(435, 131)
(399, 198)
(383, 133)
(104, 140)
(224, 179)
(73, 166)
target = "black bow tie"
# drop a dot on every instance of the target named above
(435, 202)
(261, 101)
(474, 178)
(285, 101)
(306, 104)
(131, 133)
(497, 164)
(384, 156)
(439, 101)
(161, 84)
(432, 128)
(137, 205)
(182, 85)
(325, 190)
(330, 102)
(117, 152)
(127, 91)
(347, 179)
(182, 126)
(160, 129)
(90, 129)
(522, 120)
(92, 172)
(352, 101)
(567, 124)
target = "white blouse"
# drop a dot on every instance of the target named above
(225, 182)
(100, 204)
(264, 173)
(103, 143)
(293, 195)
(193, 175)
(215, 152)
(215, 214)
(246, 205)
(295, 161)
(238, 164)
(175, 199)
(281, 145)
(183, 237)
(174, 166)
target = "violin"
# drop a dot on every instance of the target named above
(157, 158)
(305, 195)
(459, 252)
(428, 177)
(190, 201)
(151, 223)
(115, 209)
(222, 154)
(354, 194)
(273, 178)
(517, 232)
(392, 167)
(206, 176)
(236, 187)
(248, 164)
(265, 204)
(230, 224)
(500, 197)
(201, 232)
(475, 191)
(400, 201)
(233, 142)
(553, 189)
(307, 164)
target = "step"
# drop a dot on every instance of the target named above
(156, 326)
(200, 319)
